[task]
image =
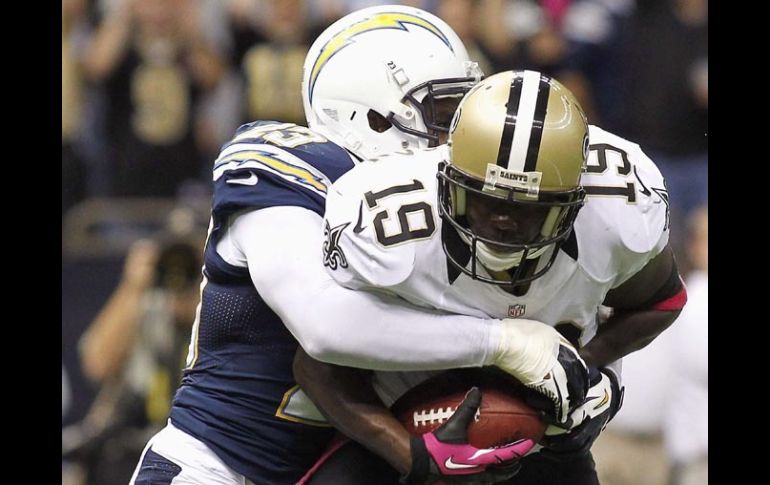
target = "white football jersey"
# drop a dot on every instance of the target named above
(383, 233)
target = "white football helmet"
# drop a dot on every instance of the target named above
(371, 80)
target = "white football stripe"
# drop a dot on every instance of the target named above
(524, 118)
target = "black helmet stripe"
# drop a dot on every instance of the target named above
(537, 125)
(514, 97)
(527, 105)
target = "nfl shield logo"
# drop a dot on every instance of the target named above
(517, 310)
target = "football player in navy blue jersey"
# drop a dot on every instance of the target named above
(239, 416)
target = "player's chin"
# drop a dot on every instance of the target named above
(500, 249)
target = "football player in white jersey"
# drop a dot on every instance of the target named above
(375, 81)
(528, 212)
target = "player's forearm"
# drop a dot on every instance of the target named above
(381, 332)
(345, 396)
(347, 327)
(625, 332)
(112, 334)
(108, 46)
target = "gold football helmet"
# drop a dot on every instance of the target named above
(511, 189)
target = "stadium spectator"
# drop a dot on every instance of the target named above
(462, 16)
(73, 30)
(270, 43)
(154, 63)
(520, 34)
(135, 349)
(641, 68)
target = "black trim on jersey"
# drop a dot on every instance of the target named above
(536, 134)
(458, 248)
(629, 191)
(528, 267)
(373, 197)
(671, 287)
(570, 248)
(358, 227)
(570, 245)
(644, 190)
(514, 98)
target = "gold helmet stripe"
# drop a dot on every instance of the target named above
(525, 120)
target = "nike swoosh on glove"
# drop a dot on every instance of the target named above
(587, 421)
(445, 453)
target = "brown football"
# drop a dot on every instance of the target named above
(503, 416)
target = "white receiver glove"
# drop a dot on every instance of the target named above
(538, 356)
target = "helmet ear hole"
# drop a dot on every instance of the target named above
(377, 122)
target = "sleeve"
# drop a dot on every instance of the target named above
(645, 232)
(345, 327)
(374, 221)
(625, 221)
(351, 252)
(258, 176)
(270, 163)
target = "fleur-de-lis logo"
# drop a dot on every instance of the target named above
(333, 255)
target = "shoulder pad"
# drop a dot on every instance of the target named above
(269, 163)
(376, 215)
(625, 220)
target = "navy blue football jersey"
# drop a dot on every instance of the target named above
(238, 393)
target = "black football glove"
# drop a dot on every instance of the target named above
(587, 421)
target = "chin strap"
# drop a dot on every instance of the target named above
(497, 261)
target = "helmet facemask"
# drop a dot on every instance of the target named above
(510, 191)
(545, 222)
(435, 101)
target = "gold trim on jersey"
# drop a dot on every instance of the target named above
(299, 174)
(192, 353)
(281, 411)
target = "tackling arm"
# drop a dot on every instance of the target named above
(281, 246)
(108, 341)
(349, 402)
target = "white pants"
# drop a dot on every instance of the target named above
(182, 460)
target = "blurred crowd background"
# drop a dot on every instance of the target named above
(152, 88)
